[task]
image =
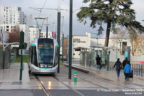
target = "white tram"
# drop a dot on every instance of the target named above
(44, 57)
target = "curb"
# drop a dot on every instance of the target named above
(88, 72)
(138, 77)
(78, 68)
(98, 75)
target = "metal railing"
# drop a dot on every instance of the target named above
(138, 69)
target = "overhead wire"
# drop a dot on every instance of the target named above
(41, 9)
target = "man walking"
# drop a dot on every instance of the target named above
(98, 60)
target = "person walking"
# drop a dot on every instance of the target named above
(124, 62)
(118, 67)
(128, 71)
(98, 60)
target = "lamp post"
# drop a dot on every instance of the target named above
(62, 37)
(58, 33)
(70, 38)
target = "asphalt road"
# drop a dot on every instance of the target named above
(55, 92)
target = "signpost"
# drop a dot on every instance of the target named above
(21, 47)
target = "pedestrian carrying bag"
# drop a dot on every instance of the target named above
(130, 75)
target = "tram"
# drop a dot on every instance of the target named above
(44, 57)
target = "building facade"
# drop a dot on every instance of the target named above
(12, 15)
(33, 33)
(86, 43)
(12, 19)
(80, 43)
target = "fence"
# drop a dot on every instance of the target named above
(137, 69)
(4, 58)
(1, 58)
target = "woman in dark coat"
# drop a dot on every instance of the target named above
(118, 67)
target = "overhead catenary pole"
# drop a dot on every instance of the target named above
(62, 47)
(58, 33)
(70, 38)
(47, 29)
(62, 38)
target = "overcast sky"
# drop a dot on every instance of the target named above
(78, 28)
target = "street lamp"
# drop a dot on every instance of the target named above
(58, 33)
(70, 37)
(47, 28)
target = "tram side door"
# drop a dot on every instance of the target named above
(34, 56)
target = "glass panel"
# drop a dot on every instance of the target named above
(45, 52)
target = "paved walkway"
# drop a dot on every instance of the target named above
(136, 82)
(9, 78)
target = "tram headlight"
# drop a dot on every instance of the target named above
(42, 65)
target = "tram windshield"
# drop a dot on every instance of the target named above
(45, 51)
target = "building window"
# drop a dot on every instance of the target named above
(19, 9)
(76, 40)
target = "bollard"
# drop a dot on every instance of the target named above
(141, 69)
(75, 76)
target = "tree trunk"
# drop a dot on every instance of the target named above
(107, 34)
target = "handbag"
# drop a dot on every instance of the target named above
(130, 75)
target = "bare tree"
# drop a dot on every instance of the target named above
(138, 45)
(14, 36)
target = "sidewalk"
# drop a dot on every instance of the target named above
(9, 78)
(136, 82)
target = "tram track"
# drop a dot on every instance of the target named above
(74, 90)
(54, 77)
(42, 86)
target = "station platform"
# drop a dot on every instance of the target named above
(135, 82)
(9, 78)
